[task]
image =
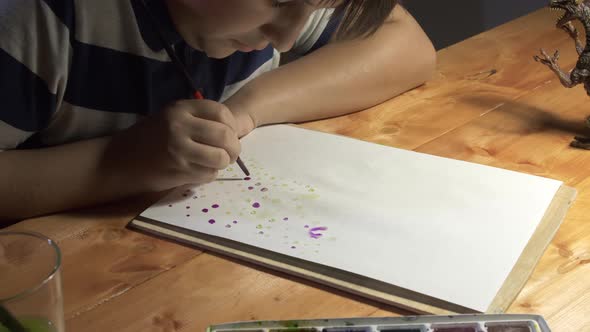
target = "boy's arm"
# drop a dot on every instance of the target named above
(341, 77)
(40, 181)
(186, 143)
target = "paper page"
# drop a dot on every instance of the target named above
(449, 229)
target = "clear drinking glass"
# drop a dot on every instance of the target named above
(30, 283)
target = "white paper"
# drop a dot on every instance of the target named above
(449, 229)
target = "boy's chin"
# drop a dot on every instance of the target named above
(220, 53)
(213, 50)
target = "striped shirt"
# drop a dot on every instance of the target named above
(77, 69)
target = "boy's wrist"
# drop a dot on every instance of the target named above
(245, 123)
(243, 107)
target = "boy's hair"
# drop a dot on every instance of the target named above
(361, 18)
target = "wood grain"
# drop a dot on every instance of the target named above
(488, 103)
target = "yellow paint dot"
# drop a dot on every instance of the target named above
(228, 213)
(284, 184)
(273, 178)
(253, 212)
(259, 226)
(230, 169)
(311, 190)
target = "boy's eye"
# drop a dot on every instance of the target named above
(283, 3)
(280, 3)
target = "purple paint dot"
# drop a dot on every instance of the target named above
(293, 247)
(211, 221)
(285, 219)
(205, 210)
(235, 221)
(228, 226)
(256, 205)
(247, 178)
(215, 206)
(314, 235)
(306, 226)
(261, 232)
(264, 189)
(250, 188)
(258, 183)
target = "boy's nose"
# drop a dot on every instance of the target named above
(281, 38)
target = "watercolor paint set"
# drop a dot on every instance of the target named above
(458, 323)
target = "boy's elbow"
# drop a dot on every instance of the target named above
(425, 63)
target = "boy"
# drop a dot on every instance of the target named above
(94, 110)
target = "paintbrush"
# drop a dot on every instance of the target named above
(9, 321)
(197, 94)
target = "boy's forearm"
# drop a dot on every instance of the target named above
(342, 77)
(36, 182)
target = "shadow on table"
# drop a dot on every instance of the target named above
(533, 118)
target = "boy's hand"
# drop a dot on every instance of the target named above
(187, 143)
(241, 104)
(244, 123)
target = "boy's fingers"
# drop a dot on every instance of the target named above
(216, 135)
(210, 110)
(206, 156)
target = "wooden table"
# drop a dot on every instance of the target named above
(489, 103)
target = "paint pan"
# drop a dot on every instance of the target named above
(456, 328)
(348, 329)
(513, 327)
(404, 329)
(458, 323)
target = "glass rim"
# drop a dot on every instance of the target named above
(54, 270)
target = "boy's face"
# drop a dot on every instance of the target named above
(221, 27)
